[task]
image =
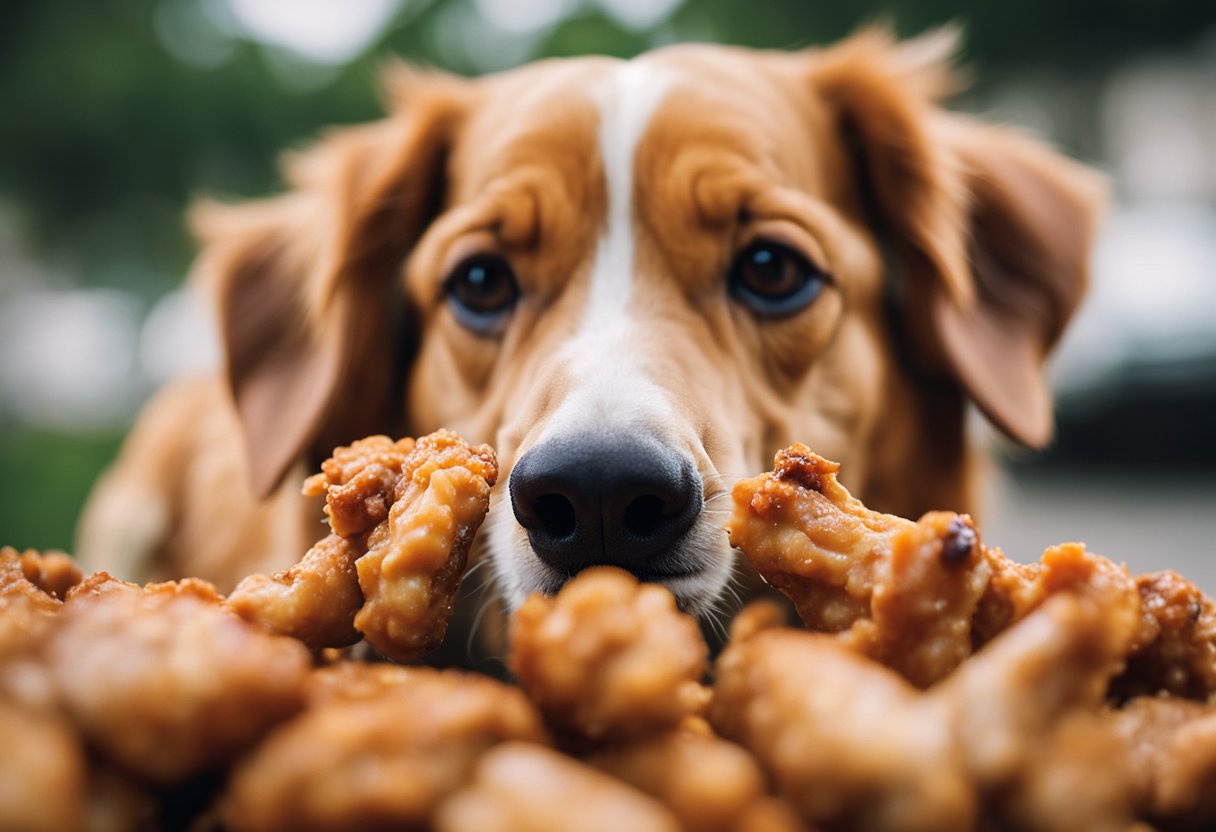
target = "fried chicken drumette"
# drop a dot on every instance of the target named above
(921, 597)
(1171, 743)
(711, 785)
(164, 680)
(403, 516)
(378, 748)
(608, 658)
(525, 788)
(43, 771)
(853, 745)
(32, 589)
(315, 601)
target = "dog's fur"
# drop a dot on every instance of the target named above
(619, 191)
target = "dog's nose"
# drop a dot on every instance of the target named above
(619, 500)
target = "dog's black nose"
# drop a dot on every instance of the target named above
(619, 500)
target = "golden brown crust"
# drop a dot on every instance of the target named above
(608, 658)
(52, 572)
(403, 514)
(1177, 650)
(523, 788)
(164, 680)
(43, 771)
(757, 616)
(921, 597)
(924, 602)
(415, 558)
(844, 740)
(358, 482)
(1172, 747)
(314, 601)
(957, 689)
(710, 784)
(26, 609)
(382, 758)
(811, 540)
(853, 745)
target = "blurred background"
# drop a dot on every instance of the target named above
(117, 112)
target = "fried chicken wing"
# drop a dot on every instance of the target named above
(43, 771)
(525, 788)
(1178, 652)
(1172, 749)
(710, 784)
(314, 601)
(853, 745)
(415, 559)
(164, 680)
(379, 756)
(359, 482)
(52, 572)
(921, 597)
(608, 657)
(403, 515)
(26, 610)
(846, 741)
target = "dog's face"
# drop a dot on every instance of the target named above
(638, 279)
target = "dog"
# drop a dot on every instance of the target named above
(637, 280)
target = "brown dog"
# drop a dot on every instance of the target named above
(636, 280)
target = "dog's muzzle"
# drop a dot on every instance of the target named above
(619, 500)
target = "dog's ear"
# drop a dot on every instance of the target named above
(307, 284)
(992, 230)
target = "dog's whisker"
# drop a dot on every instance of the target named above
(716, 619)
(734, 593)
(476, 626)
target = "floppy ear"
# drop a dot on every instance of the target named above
(992, 230)
(307, 284)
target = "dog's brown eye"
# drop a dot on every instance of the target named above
(773, 279)
(481, 292)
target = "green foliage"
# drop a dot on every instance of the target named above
(46, 478)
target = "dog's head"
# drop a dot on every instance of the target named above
(637, 279)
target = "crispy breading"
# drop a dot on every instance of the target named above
(164, 680)
(1172, 747)
(415, 558)
(403, 514)
(525, 788)
(315, 600)
(710, 784)
(853, 745)
(43, 771)
(608, 658)
(845, 740)
(53, 572)
(1178, 652)
(757, 616)
(380, 758)
(953, 688)
(921, 597)
(27, 610)
(359, 481)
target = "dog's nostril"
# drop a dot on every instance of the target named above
(587, 499)
(556, 515)
(644, 515)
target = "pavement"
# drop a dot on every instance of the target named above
(1150, 521)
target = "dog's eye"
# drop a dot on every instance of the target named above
(481, 292)
(772, 279)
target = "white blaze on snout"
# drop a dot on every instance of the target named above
(608, 388)
(608, 383)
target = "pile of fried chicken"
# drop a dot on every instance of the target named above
(935, 684)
